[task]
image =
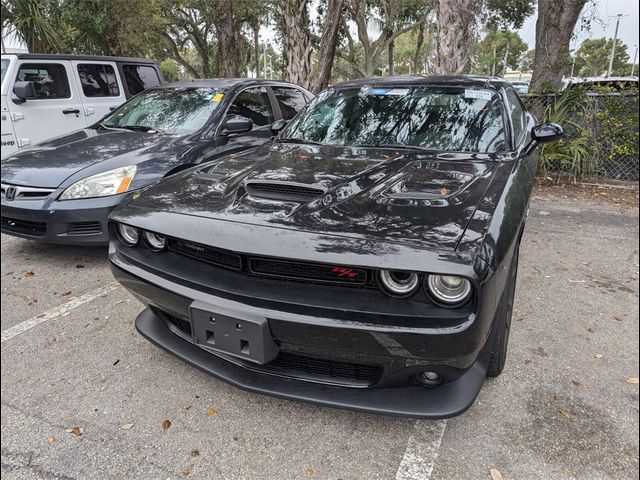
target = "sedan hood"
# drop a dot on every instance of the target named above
(424, 199)
(88, 151)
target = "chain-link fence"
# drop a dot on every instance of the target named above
(601, 135)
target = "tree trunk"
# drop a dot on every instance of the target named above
(226, 54)
(554, 28)
(328, 44)
(391, 60)
(419, 42)
(455, 21)
(296, 41)
(256, 46)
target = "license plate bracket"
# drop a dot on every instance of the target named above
(240, 335)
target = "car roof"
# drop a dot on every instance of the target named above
(471, 81)
(58, 56)
(226, 83)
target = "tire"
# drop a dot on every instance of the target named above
(503, 320)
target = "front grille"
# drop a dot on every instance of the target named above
(25, 227)
(84, 228)
(307, 271)
(320, 369)
(215, 256)
(16, 192)
(284, 191)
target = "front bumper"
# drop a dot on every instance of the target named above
(457, 347)
(70, 222)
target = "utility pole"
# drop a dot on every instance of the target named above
(573, 65)
(493, 65)
(506, 55)
(265, 58)
(613, 48)
(633, 64)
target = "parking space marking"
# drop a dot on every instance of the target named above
(75, 302)
(422, 450)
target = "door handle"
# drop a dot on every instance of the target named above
(68, 111)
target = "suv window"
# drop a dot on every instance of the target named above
(98, 80)
(140, 77)
(49, 79)
(290, 100)
(253, 104)
(517, 114)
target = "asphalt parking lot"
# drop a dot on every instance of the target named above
(566, 405)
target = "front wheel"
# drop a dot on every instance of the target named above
(503, 320)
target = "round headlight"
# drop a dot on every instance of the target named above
(154, 241)
(449, 289)
(128, 235)
(399, 284)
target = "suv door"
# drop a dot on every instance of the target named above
(101, 89)
(55, 110)
(253, 103)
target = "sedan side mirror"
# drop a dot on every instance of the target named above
(237, 125)
(278, 125)
(547, 132)
(23, 91)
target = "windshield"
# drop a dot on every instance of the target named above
(5, 66)
(448, 119)
(174, 110)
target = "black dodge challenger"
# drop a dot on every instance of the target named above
(365, 259)
(63, 190)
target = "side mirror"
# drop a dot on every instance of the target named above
(24, 91)
(547, 132)
(237, 125)
(278, 125)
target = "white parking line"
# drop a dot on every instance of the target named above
(422, 450)
(75, 302)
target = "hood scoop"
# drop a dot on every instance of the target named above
(286, 191)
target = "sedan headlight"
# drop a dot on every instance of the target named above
(103, 184)
(449, 289)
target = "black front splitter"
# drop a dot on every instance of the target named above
(444, 401)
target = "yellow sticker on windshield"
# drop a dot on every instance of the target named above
(217, 97)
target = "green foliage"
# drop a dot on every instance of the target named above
(576, 153)
(37, 23)
(592, 58)
(170, 70)
(505, 13)
(500, 40)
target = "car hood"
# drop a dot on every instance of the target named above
(418, 198)
(81, 154)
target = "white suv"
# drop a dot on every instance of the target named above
(45, 95)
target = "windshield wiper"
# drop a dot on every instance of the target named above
(296, 140)
(141, 128)
(107, 127)
(392, 145)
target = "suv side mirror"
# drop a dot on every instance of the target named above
(23, 91)
(278, 125)
(237, 125)
(547, 132)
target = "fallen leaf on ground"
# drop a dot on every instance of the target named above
(50, 439)
(617, 317)
(186, 472)
(29, 274)
(565, 472)
(75, 431)
(577, 383)
(590, 330)
(165, 425)
(566, 414)
(79, 265)
(195, 453)
(632, 380)
(310, 472)
(598, 355)
(211, 411)
(187, 407)
(126, 426)
(66, 294)
(495, 474)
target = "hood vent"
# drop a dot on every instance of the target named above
(296, 192)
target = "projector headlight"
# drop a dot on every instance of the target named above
(449, 289)
(399, 284)
(103, 184)
(154, 241)
(128, 235)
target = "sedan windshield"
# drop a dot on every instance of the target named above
(447, 119)
(174, 110)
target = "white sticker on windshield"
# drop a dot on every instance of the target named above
(479, 94)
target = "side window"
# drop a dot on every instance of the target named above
(98, 80)
(139, 78)
(290, 100)
(253, 104)
(517, 115)
(49, 79)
